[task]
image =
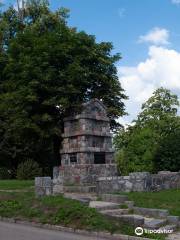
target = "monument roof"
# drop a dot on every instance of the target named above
(93, 109)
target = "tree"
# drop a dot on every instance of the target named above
(137, 150)
(158, 109)
(144, 146)
(168, 153)
(48, 71)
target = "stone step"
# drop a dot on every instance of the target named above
(80, 189)
(150, 212)
(174, 236)
(132, 219)
(116, 212)
(100, 205)
(173, 219)
(130, 204)
(115, 198)
(170, 227)
(152, 223)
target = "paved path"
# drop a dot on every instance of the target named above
(11, 231)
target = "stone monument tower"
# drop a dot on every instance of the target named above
(87, 151)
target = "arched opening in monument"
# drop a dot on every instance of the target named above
(99, 158)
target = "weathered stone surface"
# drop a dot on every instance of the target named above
(130, 204)
(85, 174)
(171, 227)
(150, 212)
(113, 212)
(133, 219)
(173, 219)
(154, 223)
(43, 186)
(100, 205)
(87, 151)
(140, 181)
(116, 198)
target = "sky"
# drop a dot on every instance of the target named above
(145, 32)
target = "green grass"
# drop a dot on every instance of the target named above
(15, 184)
(166, 199)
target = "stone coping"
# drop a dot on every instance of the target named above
(105, 235)
(87, 116)
(87, 149)
(86, 132)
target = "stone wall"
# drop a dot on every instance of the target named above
(135, 182)
(83, 174)
(140, 181)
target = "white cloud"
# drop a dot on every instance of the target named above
(157, 36)
(160, 69)
(175, 1)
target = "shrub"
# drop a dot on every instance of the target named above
(28, 170)
(4, 173)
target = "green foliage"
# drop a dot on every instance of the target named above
(162, 105)
(152, 143)
(28, 170)
(47, 70)
(168, 152)
(12, 204)
(4, 173)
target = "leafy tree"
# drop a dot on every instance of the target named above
(168, 153)
(159, 111)
(161, 105)
(145, 146)
(48, 69)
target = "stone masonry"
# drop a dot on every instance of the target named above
(87, 151)
(139, 182)
(135, 182)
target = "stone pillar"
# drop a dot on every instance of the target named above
(43, 186)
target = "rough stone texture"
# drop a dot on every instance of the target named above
(159, 213)
(84, 174)
(133, 219)
(173, 219)
(140, 181)
(116, 198)
(87, 151)
(154, 223)
(100, 205)
(43, 186)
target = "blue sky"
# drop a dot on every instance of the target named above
(145, 32)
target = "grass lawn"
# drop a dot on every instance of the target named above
(15, 184)
(166, 199)
(56, 210)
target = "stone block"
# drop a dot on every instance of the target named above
(134, 220)
(154, 223)
(130, 204)
(43, 186)
(150, 212)
(173, 219)
(116, 198)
